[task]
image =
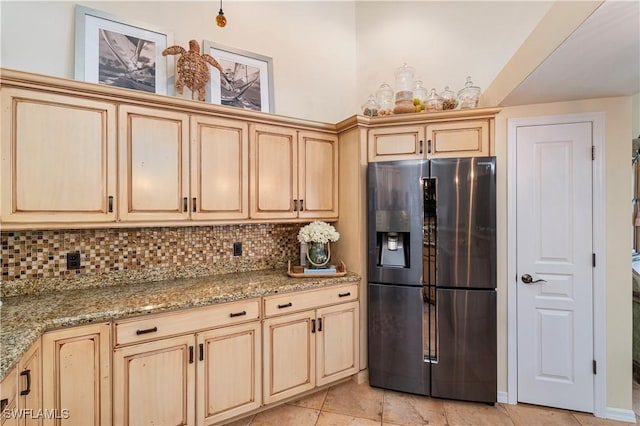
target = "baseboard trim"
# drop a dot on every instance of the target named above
(620, 414)
(503, 397)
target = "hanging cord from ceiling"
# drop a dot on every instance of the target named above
(221, 20)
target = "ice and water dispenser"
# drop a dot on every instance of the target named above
(392, 238)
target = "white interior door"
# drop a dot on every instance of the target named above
(554, 248)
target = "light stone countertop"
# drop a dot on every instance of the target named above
(23, 319)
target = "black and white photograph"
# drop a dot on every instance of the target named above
(247, 82)
(122, 53)
(126, 61)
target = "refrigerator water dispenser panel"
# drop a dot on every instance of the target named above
(392, 238)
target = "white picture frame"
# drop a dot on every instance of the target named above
(249, 80)
(120, 52)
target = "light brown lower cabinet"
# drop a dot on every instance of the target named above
(308, 349)
(157, 382)
(21, 391)
(76, 381)
(30, 388)
(154, 383)
(200, 366)
(228, 372)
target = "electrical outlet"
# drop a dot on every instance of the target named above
(73, 260)
(237, 249)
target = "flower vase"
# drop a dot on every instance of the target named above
(318, 254)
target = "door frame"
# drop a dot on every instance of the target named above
(597, 120)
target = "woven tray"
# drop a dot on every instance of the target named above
(298, 272)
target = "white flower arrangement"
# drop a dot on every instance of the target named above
(318, 232)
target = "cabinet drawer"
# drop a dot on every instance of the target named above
(299, 301)
(187, 321)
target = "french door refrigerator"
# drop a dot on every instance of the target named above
(432, 277)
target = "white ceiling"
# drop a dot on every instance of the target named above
(599, 59)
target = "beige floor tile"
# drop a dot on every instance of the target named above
(357, 400)
(475, 414)
(335, 419)
(533, 415)
(591, 420)
(286, 415)
(314, 401)
(407, 409)
(245, 421)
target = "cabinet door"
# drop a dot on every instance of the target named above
(30, 386)
(229, 372)
(288, 355)
(58, 159)
(154, 164)
(469, 138)
(76, 375)
(338, 346)
(9, 397)
(396, 143)
(219, 169)
(274, 172)
(317, 175)
(154, 383)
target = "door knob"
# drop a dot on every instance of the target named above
(527, 279)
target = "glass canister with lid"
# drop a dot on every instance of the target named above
(404, 89)
(384, 97)
(449, 100)
(469, 96)
(419, 96)
(433, 102)
(404, 82)
(370, 108)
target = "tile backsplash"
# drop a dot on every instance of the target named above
(35, 261)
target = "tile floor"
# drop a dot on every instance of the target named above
(352, 404)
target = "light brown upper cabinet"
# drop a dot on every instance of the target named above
(58, 159)
(219, 168)
(466, 138)
(154, 164)
(294, 174)
(453, 138)
(174, 167)
(396, 143)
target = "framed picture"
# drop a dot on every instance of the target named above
(248, 79)
(118, 52)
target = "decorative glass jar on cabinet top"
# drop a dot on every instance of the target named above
(469, 96)
(384, 96)
(404, 89)
(449, 100)
(433, 102)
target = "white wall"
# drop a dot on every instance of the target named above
(444, 41)
(328, 55)
(312, 43)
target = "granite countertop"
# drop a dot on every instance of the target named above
(23, 319)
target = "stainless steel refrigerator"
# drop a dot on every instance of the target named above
(432, 277)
